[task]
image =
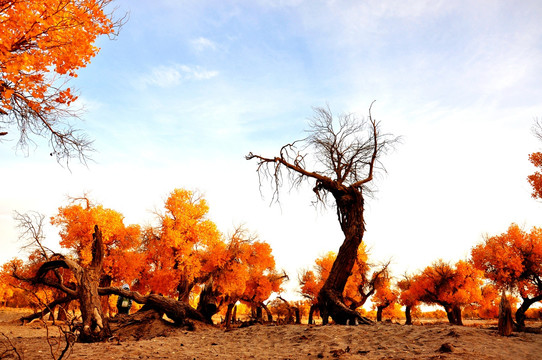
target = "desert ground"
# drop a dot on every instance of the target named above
(380, 341)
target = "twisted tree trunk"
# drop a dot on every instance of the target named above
(350, 205)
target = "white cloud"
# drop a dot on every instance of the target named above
(170, 76)
(201, 44)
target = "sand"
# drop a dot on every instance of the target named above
(379, 341)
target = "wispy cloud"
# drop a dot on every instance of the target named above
(170, 76)
(201, 44)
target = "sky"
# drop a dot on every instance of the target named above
(189, 88)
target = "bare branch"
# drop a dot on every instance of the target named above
(31, 230)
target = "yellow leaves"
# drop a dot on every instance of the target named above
(42, 39)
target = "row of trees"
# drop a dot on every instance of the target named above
(510, 262)
(183, 256)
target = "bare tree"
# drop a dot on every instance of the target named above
(345, 161)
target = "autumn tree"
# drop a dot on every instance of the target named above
(451, 286)
(183, 250)
(346, 152)
(123, 261)
(245, 271)
(44, 44)
(384, 296)
(408, 296)
(513, 261)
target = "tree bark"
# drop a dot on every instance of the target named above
(184, 287)
(268, 312)
(207, 304)
(229, 315)
(178, 311)
(259, 313)
(95, 326)
(506, 323)
(408, 315)
(453, 312)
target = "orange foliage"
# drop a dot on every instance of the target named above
(408, 295)
(513, 260)
(44, 43)
(452, 287)
(249, 273)
(536, 179)
(122, 260)
(183, 249)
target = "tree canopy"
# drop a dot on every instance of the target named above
(44, 43)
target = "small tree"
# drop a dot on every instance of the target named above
(452, 287)
(408, 296)
(512, 261)
(346, 157)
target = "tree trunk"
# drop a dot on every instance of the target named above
(234, 315)
(95, 326)
(229, 315)
(311, 314)
(350, 206)
(184, 287)
(408, 316)
(379, 313)
(268, 312)
(207, 304)
(453, 312)
(177, 311)
(506, 323)
(520, 313)
(297, 315)
(259, 314)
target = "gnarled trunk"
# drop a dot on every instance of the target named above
(520, 313)
(207, 304)
(506, 323)
(268, 312)
(330, 298)
(95, 325)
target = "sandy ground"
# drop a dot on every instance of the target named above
(380, 341)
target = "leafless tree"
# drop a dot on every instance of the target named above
(346, 153)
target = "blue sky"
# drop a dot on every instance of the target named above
(190, 87)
